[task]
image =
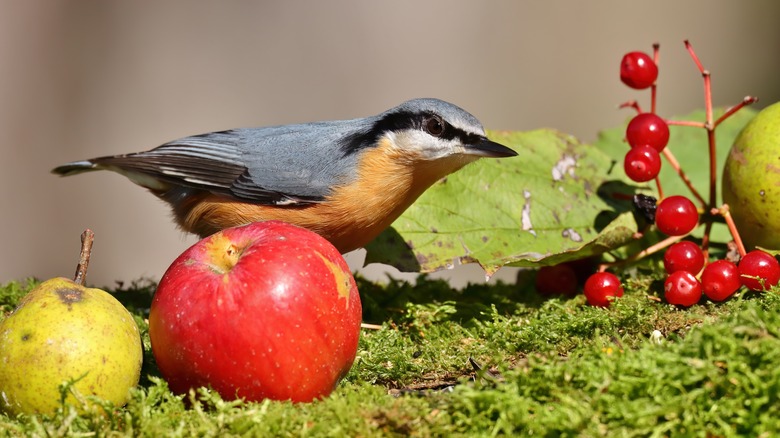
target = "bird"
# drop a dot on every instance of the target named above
(346, 180)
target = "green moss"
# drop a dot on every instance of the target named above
(553, 367)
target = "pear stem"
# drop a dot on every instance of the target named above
(87, 237)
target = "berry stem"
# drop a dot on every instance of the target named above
(705, 242)
(708, 99)
(693, 55)
(631, 104)
(87, 237)
(689, 123)
(713, 166)
(652, 249)
(658, 188)
(710, 125)
(656, 46)
(676, 166)
(747, 100)
(725, 211)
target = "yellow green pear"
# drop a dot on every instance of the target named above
(63, 331)
(751, 180)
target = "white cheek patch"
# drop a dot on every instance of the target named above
(424, 145)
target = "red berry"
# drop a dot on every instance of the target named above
(642, 163)
(601, 288)
(648, 129)
(556, 280)
(683, 256)
(682, 289)
(676, 216)
(637, 70)
(720, 280)
(759, 270)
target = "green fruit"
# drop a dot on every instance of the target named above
(751, 180)
(62, 332)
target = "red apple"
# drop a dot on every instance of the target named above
(265, 310)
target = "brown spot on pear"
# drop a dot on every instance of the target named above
(751, 184)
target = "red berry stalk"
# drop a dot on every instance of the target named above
(710, 124)
(645, 130)
(676, 216)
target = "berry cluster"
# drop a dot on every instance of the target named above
(689, 275)
(720, 279)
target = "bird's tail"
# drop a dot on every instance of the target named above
(75, 167)
(137, 176)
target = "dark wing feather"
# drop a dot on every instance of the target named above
(211, 162)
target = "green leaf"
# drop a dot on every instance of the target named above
(552, 203)
(545, 206)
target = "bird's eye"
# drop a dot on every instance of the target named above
(434, 126)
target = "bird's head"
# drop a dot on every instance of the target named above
(429, 130)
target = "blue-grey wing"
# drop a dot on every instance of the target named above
(289, 164)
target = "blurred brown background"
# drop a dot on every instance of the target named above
(89, 78)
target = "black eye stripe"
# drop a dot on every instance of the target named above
(404, 120)
(450, 132)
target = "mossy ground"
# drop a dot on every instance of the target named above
(492, 360)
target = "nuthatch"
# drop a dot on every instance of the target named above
(346, 180)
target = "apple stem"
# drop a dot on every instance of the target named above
(87, 237)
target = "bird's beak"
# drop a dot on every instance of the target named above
(489, 149)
